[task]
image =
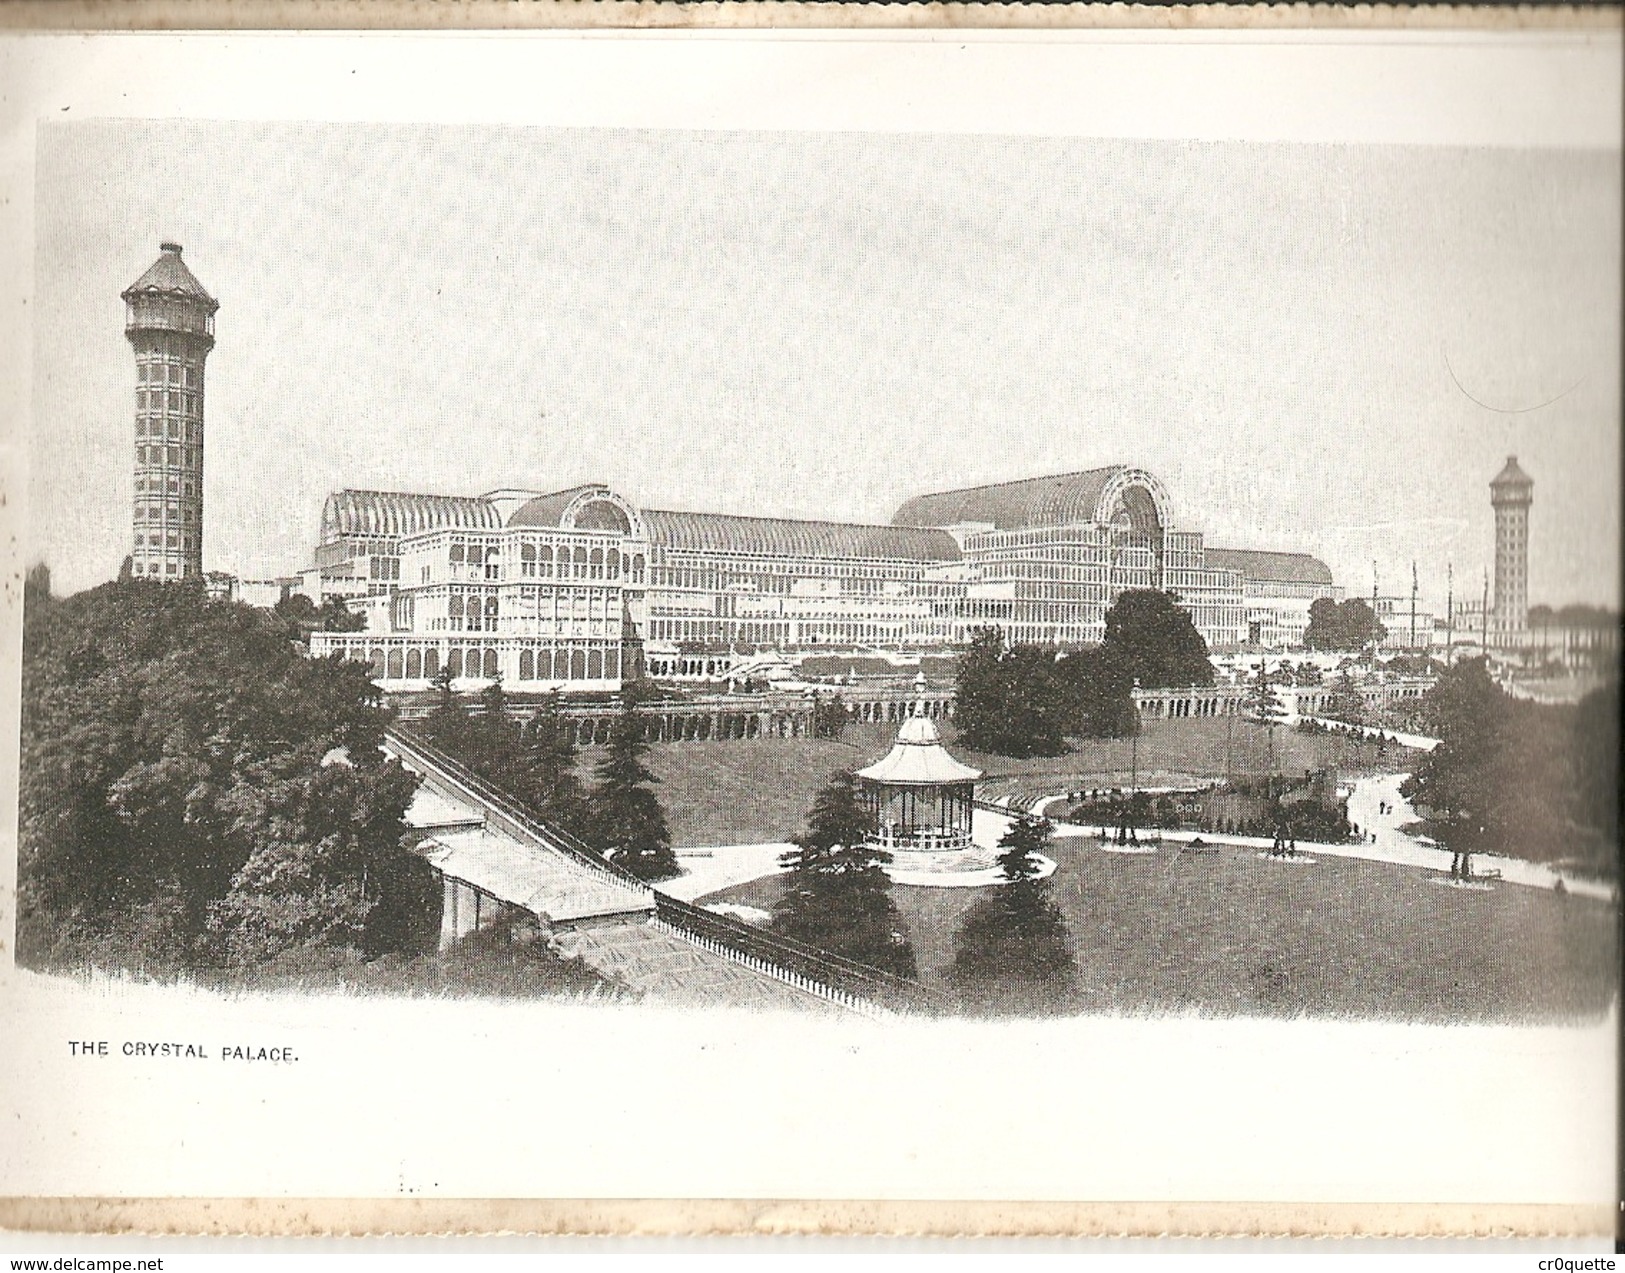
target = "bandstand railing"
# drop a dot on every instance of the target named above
(919, 841)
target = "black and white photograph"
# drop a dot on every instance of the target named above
(1129, 616)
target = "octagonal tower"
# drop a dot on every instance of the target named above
(169, 320)
(1511, 493)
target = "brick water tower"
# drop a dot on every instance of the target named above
(169, 320)
(1511, 493)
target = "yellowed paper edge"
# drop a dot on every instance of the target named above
(362, 1217)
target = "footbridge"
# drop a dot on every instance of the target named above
(497, 863)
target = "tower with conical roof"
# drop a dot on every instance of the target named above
(1511, 493)
(169, 320)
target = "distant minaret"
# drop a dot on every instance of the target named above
(169, 320)
(1510, 495)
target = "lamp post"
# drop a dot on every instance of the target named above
(1134, 764)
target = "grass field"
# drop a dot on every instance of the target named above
(1343, 937)
(742, 791)
(759, 790)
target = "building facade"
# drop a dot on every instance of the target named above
(581, 588)
(1277, 591)
(169, 321)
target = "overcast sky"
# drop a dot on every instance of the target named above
(818, 325)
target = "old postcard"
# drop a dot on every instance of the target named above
(936, 632)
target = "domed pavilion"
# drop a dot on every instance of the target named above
(920, 801)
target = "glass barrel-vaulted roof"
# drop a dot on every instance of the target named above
(397, 513)
(1065, 499)
(778, 537)
(1270, 567)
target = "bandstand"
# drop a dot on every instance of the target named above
(920, 802)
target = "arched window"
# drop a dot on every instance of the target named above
(414, 664)
(431, 664)
(612, 562)
(397, 665)
(454, 609)
(491, 664)
(527, 560)
(490, 607)
(454, 662)
(527, 665)
(612, 662)
(597, 560)
(595, 665)
(456, 554)
(545, 556)
(578, 665)
(375, 658)
(637, 568)
(581, 563)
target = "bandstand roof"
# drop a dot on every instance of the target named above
(780, 537)
(168, 276)
(402, 513)
(1065, 499)
(1270, 567)
(918, 759)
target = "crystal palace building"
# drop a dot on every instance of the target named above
(579, 588)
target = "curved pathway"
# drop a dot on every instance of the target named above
(1391, 844)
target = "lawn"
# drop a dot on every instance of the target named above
(743, 791)
(1343, 938)
(752, 791)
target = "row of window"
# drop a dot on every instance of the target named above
(156, 568)
(158, 512)
(158, 484)
(173, 539)
(174, 401)
(158, 371)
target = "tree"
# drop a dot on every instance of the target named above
(1457, 781)
(829, 716)
(337, 617)
(1342, 625)
(1596, 763)
(299, 613)
(555, 791)
(979, 691)
(1344, 703)
(447, 722)
(175, 804)
(1154, 641)
(1013, 944)
(837, 895)
(625, 821)
(37, 585)
(1010, 701)
(1098, 692)
(1265, 709)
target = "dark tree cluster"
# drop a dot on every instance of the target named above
(837, 895)
(303, 616)
(195, 792)
(1527, 779)
(1026, 700)
(1342, 625)
(1012, 951)
(830, 716)
(534, 762)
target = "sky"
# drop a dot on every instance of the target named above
(1326, 348)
